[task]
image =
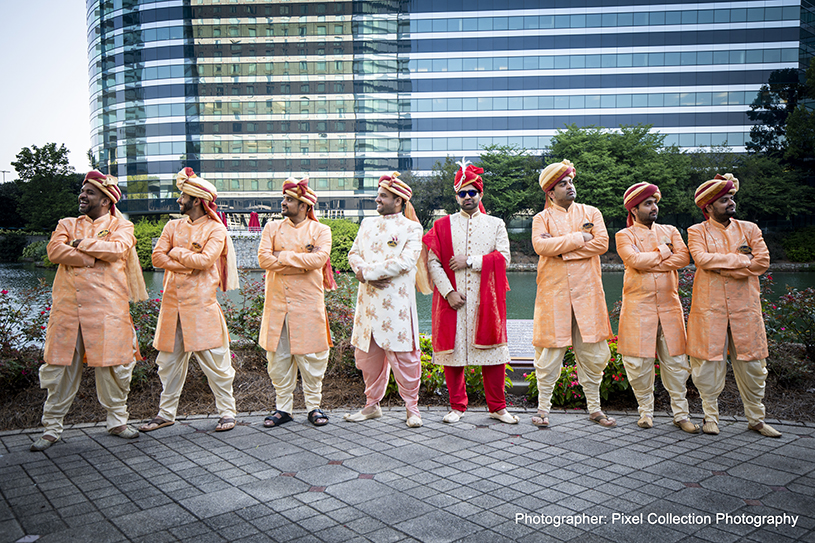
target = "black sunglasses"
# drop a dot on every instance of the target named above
(464, 193)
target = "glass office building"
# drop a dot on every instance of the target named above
(251, 92)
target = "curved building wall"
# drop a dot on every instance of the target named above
(251, 92)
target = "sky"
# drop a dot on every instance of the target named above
(45, 88)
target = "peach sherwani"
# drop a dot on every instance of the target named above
(570, 306)
(90, 291)
(294, 329)
(726, 290)
(294, 285)
(569, 276)
(651, 321)
(188, 252)
(191, 320)
(650, 289)
(725, 316)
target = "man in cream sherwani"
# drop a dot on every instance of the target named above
(386, 325)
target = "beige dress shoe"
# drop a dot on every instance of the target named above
(710, 427)
(687, 426)
(765, 429)
(359, 416)
(506, 417)
(414, 421)
(646, 421)
(42, 443)
(452, 417)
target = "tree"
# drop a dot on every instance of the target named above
(510, 181)
(608, 162)
(433, 192)
(770, 110)
(768, 189)
(48, 186)
(10, 195)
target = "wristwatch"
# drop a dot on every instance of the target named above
(469, 262)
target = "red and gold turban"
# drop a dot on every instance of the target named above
(392, 183)
(635, 195)
(108, 185)
(468, 175)
(710, 191)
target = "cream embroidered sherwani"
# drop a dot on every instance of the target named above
(191, 320)
(387, 247)
(651, 320)
(570, 306)
(90, 318)
(386, 324)
(294, 328)
(725, 315)
(473, 237)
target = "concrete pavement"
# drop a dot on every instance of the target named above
(478, 480)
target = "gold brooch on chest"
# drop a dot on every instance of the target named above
(394, 240)
(103, 233)
(310, 247)
(587, 226)
(196, 246)
(667, 242)
(745, 249)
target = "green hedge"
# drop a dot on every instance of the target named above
(11, 246)
(145, 230)
(343, 233)
(799, 245)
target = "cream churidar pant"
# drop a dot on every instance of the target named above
(673, 371)
(62, 384)
(708, 376)
(283, 367)
(216, 365)
(591, 359)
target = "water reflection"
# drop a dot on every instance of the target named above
(520, 300)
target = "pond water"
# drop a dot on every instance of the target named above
(520, 300)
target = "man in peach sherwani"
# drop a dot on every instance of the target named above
(90, 315)
(386, 325)
(725, 316)
(294, 330)
(197, 257)
(651, 320)
(570, 307)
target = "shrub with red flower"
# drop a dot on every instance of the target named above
(23, 319)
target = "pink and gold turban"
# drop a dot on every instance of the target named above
(189, 183)
(635, 195)
(710, 191)
(301, 191)
(554, 174)
(392, 183)
(108, 185)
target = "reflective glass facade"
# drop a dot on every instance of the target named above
(250, 92)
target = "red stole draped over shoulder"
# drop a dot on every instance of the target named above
(491, 326)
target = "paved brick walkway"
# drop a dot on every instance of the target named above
(379, 481)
